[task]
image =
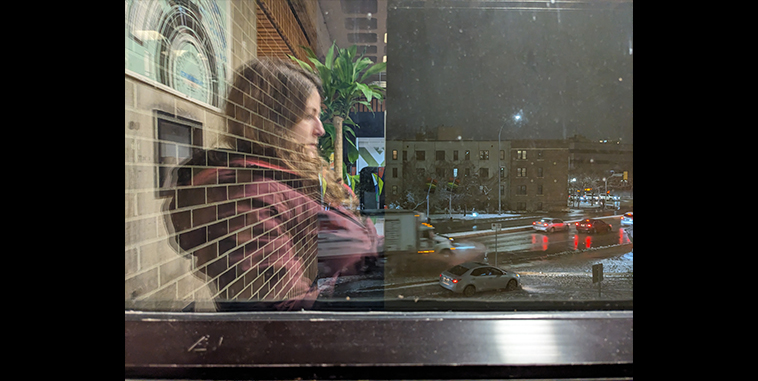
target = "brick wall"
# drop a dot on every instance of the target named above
(189, 250)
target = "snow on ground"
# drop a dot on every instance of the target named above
(505, 216)
(571, 276)
(469, 216)
(619, 265)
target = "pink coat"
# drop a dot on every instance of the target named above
(258, 229)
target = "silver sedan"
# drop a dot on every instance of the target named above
(550, 225)
(472, 277)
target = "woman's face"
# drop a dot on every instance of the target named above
(308, 130)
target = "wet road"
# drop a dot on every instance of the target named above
(549, 243)
(555, 265)
(562, 277)
(445, 226)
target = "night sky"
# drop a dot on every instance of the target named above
(564, 72)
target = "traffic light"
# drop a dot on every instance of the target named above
(453, 184)
(431, 185)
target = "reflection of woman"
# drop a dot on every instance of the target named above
(249, 210)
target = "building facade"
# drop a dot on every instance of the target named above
(535, 175)
(538, 175)
(601, 159)
(417, 167)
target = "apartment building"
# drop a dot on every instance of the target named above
(474, 166)
(539, 175)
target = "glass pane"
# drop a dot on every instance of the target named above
(254, 180)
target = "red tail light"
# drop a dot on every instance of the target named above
(544, 224)
(455, 280)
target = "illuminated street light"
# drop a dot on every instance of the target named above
(516, 118)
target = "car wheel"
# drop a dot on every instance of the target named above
(446, 252)
(551, 230)
(469, 290)
(512, 285)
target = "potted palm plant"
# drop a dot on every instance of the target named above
(343, 76)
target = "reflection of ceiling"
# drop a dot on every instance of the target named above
(280, 31)
(357, 22)
(270, 43)
(284, 25)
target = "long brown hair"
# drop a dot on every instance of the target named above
(267, 99)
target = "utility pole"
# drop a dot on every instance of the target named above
(499, 210)
(605, 199)
(428, 217)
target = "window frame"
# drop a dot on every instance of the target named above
(192, 138)
(562, 344)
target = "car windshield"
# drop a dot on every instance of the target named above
(307, 155)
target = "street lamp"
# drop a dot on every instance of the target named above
(428, 217)
(499, 175)
(516, 118)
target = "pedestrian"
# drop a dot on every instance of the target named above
(259, 194)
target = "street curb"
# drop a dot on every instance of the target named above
(482, 233)
(614, 249)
